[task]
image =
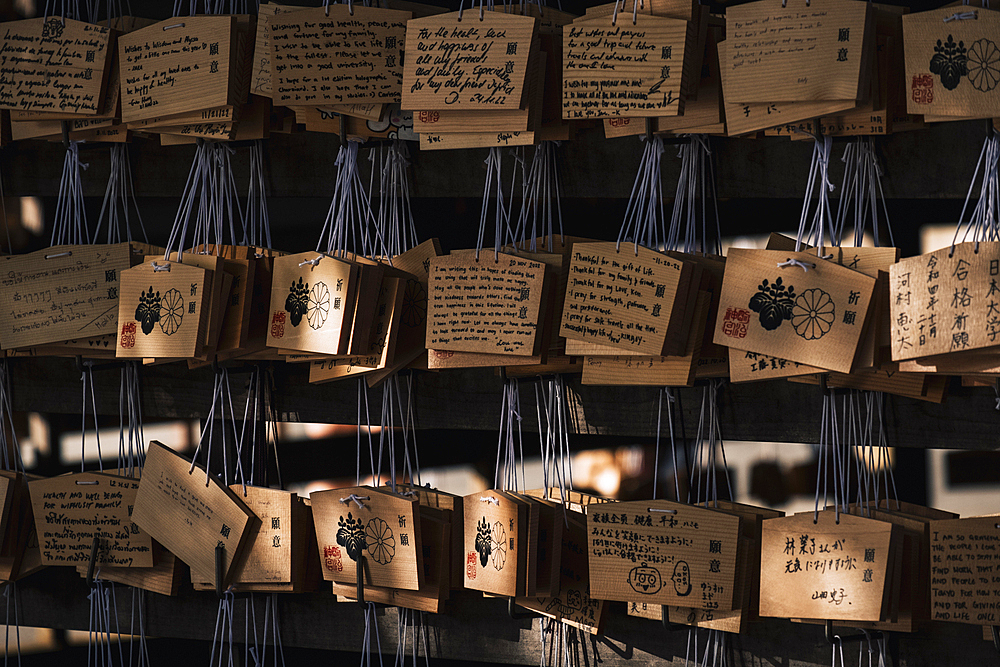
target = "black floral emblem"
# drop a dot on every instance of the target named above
(297, 302)
(984, 65)
(351, 536)
(950, 62)
(484, 541)
(774, 302)
(148, 310)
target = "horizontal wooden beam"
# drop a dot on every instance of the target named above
(477, 629)
(469, 399)
(934, 163)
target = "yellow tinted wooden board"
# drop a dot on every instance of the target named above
(71, 510)
(625, 69)
(61, 293)
(752, 366)
(825, 308)
(270, 554)
(177, 65)
(190, 515)
(309, 302)
(495, 549)
(945, 302)
(164, 577)
(385, 530)
(337, 55)
(467, 62)
(826, 569)
(53, 64)
(965, 570)
(573, 604)
(489, 305)
(656, 371)
(433, 141)
(791, 51)
(260, 79)
(622, 298)
(661, 552)
(953, 66)
(161, 313)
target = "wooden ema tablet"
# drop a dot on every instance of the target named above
(161, 313)
(489, 305)
(178, 65)
(164, 578)
(661, 552)
(337, 55)
(72, 510)
(750, 527)
(623, 299)
(61, 293)
(572, 603)
(953, 66)
(942, 304)
(797, 52)
(543, 541)
(745, 117)
(309, 303)
(824, 570)
(919, 386)
(625, 69)
(370, 275)
(652, 371)
(54, 64)
(435, 537)
(385, 530)
(825, 308)
(468, 62)
(272, 554)
(190, 515)
(495, 533)
(19, 527)
(965, 570)
(260, 79)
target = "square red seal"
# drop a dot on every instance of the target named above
(735, 323)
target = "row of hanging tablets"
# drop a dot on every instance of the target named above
(556, 552)
(500, 76)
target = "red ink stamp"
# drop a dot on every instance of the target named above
(278, 324)
(443, 354)
(470, 567)
(735, 322)
(922, 88)
(331, 558)
(429, 116)
(128, 335)
(619, 122)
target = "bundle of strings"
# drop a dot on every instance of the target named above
(257, 225)
(70, 224)
(703, 489)
(510, 445)
(212, 7)
(371, 624)
(864, 427)
(983, 223)
(645, 221)
(395, 229)
(349, 221)
(818, 229)
(695, 214)
(862, 200)
(210, 187)
(493, 188)
(118, 196)
(541, 207)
